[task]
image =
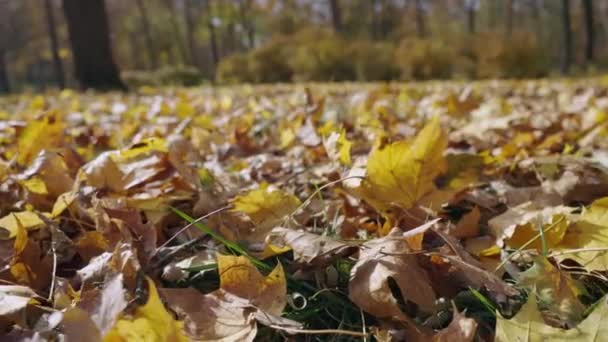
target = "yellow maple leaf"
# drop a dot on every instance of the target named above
(528, 326)
(11, 222)
(240, 277)
(38, 135)
(266, 207)
(590, 234)
(402, 173)
(151, 322)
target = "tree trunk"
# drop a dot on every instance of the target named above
(4, 83)
(246, 22)
(509, 18)
(50, 18)
(471, 18)
(336, 15)
(145, 23)
(177, 32)
(190, 28)
(89, 34)
(215, 52)
(589, 30)
(566, 53)
(420, 24)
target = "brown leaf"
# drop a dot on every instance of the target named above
(384, 260)
(461, 329)
(215, 316)
(309, 250)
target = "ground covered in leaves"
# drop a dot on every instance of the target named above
(322, 212)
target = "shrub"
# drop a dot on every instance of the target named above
(423, 59)
(518, 56)
(179, 75)
(234, 69)
(373, 61)
(322, 57)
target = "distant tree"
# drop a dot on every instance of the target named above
(52, 30)
(211, 25)
(177, 34)
(336, 14)
(190, 21)
(566, 49)
(420, 20)
(471, 6)
(147, 33)
(89, 36)
(509, 18)
(589, 30)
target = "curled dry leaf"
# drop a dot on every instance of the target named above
(218, 316)
(15, 298)
(521, 225)
(556, 290)
(461, 329)
(382, 261)
(589, 235)
(151, 322)
(309, 250)
(241, 278)
(267, 208)
(529, 324)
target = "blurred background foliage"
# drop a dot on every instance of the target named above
(188, 42)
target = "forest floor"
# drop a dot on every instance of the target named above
(325, 212)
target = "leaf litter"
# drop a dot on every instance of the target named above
(310, 212)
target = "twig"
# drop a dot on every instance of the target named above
(579, 250)
(319, 332)
(189, 225)
(53, 275)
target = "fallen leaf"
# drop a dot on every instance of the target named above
(309, 250)
(520, 225)
(380, 262)
(28, 219)
(151, 322)
(528, 323)
(402, 173)
(240, 277)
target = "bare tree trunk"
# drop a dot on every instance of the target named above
(145, 23)
(374, 28)
(190, 28)
(336, 15)
(89, 34)
(4, 82)
(509, 18)
(589, 30)
(50, 18)
(181, 47)
(471, 18)
(215, 52)
(420, 24)
(566, 53)
(244, 6)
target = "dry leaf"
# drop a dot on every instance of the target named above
(384, 260)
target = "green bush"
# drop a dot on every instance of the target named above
(322, 57)
(178, 75)
(424, 59)
(234, 69)
(374, 61)
(136, 78)
(514, 57)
